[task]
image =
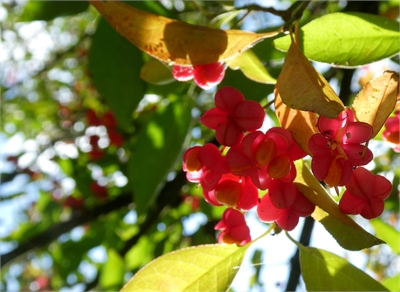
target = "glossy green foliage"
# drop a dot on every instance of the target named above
(387, 233)
(157, 149)
(334, 273)
(114, 66)
(200, 268)
(48, 10)
(112, 274)
(349, 39)
(392, 283)
(252, 67)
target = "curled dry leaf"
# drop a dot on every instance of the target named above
(302, 87)
(173, 41)
(377, 100)
(301, 124)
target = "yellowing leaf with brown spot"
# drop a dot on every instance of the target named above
(347, 232)
(173, 41)
(301, 124)
(302, 87)
(377, 100)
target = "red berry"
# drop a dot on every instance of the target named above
(365, 194)
(92, 118)
(116, 139)
(234, 228)
(208, 75)
(108, 120)
(182, 73)
(100, 191)
(74, 203)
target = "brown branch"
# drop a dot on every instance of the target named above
(169, 196)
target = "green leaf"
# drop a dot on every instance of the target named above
(113, 271)
(325, 271)
(140, 254)
(200, 268)
(157, 149)
(48, 9)
(114, 65)
(252, 67)
(347, 233)
(347, 39)
(392, 283)
(155, 72)
(266, 50)
(387, 233)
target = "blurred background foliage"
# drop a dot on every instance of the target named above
(92, 187)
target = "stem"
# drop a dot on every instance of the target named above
(269, 104)
(271, 227)
(255, 7)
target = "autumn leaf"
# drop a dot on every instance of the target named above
(301, 124)
(173, 41)
(302, 87)
(377, 100)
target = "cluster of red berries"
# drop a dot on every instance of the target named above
(108, 120)
(251, 160)
(337, 154)
(205, 76)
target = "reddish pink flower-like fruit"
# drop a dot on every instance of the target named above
(365, 194)
(232, 116)
(237, 192)
(182, 73)
(99, 191)
(115, 138)
(392, 131)
(234, 228)
(204, 164)
(205, 76)
(108, 120)
(265, 156)
(284, 204)
(96, 154)
(73, 202)
(336, 149)
(208, 75)
(92, 118)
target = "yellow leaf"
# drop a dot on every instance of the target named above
(301, 124)
(302, 87)
(377, 100)
(155, 72)
(347, 233)
(252, 67)
(173, 41)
